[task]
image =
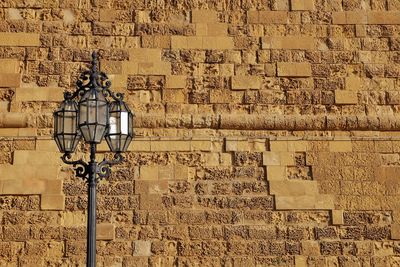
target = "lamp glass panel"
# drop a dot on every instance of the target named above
(124, 122)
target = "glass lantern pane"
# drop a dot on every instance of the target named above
(69, 123)
(85, 132)
(113, 124)
(102, 113)
(83, 112)
(92, 112)
(124, 123)
(99, 133)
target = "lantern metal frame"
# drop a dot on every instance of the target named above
(92, 171)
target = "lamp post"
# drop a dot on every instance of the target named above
(93, 111)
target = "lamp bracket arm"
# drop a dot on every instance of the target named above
(81, 168)
(104, 167)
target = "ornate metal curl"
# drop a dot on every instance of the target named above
(93, 79)
(81, 168)
(104, 167)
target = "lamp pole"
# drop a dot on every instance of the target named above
(91, 113)
(91, 224)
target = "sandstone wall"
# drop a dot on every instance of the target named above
(266, 132)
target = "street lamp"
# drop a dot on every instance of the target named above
(88, 113)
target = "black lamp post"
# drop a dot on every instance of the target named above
(87, 112)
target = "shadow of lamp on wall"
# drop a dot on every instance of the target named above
(91, 113)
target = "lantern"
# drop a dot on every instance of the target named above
(66, 132)
(120, 131)
(93, 115)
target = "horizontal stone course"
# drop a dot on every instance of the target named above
(289, 42)
(362, 17)
(13, 120)
(293, 69)
(19, 39)
(39, 94)
(304, 202)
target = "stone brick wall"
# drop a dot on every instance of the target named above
(266, 132)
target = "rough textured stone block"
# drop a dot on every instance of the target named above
(150, 202)
(111, 67)
(246, 82)
(174, 96)
(220, 96)
(346, 97)
(293, 69)
(19, 39)
(310, 247)
(52, 202)
(10, 79)
(112, 15)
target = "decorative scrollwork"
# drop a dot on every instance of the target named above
(92, 79)
(116, 96)
(104, 167)
(81, 167)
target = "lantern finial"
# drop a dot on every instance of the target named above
(94, 61)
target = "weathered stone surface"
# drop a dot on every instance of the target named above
(266, 133)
